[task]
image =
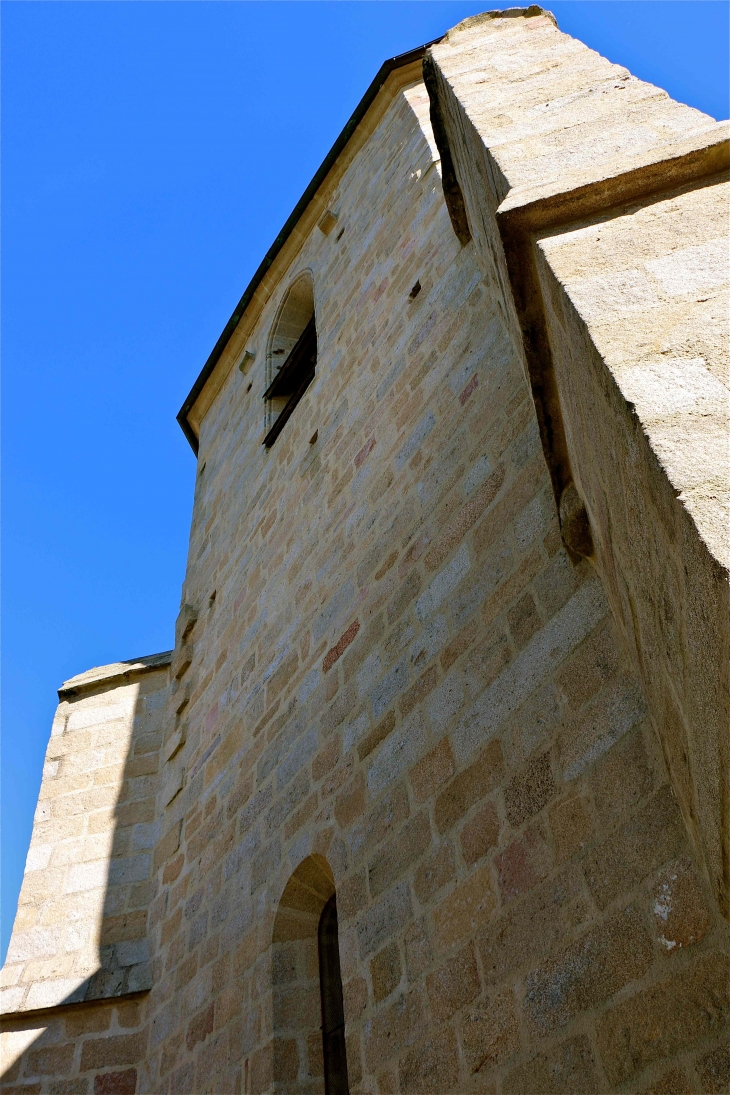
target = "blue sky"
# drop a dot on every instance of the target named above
(151, 153)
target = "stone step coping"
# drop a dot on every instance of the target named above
(115, 673)
(8, 1019)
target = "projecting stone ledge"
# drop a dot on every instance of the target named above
(610, 201)
(116, 671)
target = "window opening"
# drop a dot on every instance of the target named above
(292, 356)
(333, 1011)
(293, 378)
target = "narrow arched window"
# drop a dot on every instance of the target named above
(333, 1012)
(291, 355)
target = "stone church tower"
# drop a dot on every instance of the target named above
(432, 793)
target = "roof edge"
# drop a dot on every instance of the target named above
(351, 125)
(114, 673)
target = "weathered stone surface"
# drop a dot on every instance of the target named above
(85, 906)
(401, 678)
(646, 841)
(490, 1034)
(593, 968)
(666, 1018)
(569, 1068)
(681, 915)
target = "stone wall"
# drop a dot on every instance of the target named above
(615, 237)
(396, 670)
(86, 1049)
(392, 678)
(80, 934)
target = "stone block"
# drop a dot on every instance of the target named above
(116, 1083)
(393, 858)
(335, 652)
(435, 873)
(465, 519)
(432, 1066)
(351, 896)
(286, 1060)
(469, 787)
(484, 662)
(542, 655)
(394, 1029)
(200, 1026)
(119, 1049)
(523, 620)
(350, 803)
(465, 910)
(604, 721)
(681, 915)
(523, 863)
(131, 869)
(459, 645)
(592, 665)
(443, 584)
(167, 846)
(571, 826)
(430, 640)
(392, 809)
(409, 588)
(302, 752)
(387, 917)
(418, 692)
(480, 834)
(372, 740)
(568, 1068)
(418, 950)
(51, 1060)
(713, 1069)
(87, 876)
(453, 984)
(326, 758)
(76, 1086)
(444, 703)
(653, 836)
(556, 583)
(673, 1082)
(417, 437)
(399, 752)
(665, 1019)
(46, 994)
(385, 972)
(590, 970)
(534, 723)
(432, 770)
(490, 1034)
(88, 1021)
(530, 790)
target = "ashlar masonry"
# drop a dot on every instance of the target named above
(431, 794)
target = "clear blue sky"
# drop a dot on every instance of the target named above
(151, 153)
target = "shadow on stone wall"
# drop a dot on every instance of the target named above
(97, 814)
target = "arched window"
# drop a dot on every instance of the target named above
(291, 356)
(309, 1052)
(333, 1011)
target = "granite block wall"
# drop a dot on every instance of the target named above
(80, 938)
(398, 670)
(392, 679)
(614, 242)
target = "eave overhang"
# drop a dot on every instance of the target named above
(330, 159)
